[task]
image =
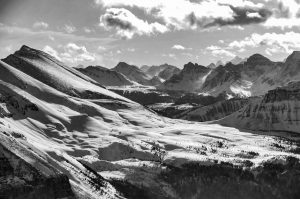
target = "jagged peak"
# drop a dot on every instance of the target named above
(193, 66)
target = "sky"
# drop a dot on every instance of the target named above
(151, 32)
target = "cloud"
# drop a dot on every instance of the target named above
(218, 51)
(87, 30)
(285, 16)
(127, 24)
(131, 49)
(178, 47)
(71, 53)
(40, 25)
(170, 55)
(69, 28)
(51, 51)
(185, 14)
(75, 53)
(273, 42)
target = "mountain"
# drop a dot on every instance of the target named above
(144, 68)
(63, 135)
(164, 71)
(219, 63)
(212, 66)
(105, 76)
(253, 77)
(189, 79)
(278, 110)
(237, 60)
(133, 73)
(168, 72)
(53, 73)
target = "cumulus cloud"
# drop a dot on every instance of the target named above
(286, 15)
(69, 28)
(127, 24)
(273, 42)
(71, 53)
(75, 53)
(52, 52)
(178, 47)
(217, 51)
(183, 14)
(40, 25)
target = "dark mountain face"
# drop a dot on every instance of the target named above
(105, 76)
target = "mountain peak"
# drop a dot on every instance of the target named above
(257, 59)
(25, 48)
(193, 67)
(294, 56)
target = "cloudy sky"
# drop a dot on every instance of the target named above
(151, 32)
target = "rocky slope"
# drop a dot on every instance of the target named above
(189, 79)
(164, 71)
(214, 111)
(278, 110)
(133, 73)
(105, 76)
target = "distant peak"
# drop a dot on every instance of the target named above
(257, 59)
(193, 66)
(212, 65)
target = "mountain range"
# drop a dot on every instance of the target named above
(63, 134)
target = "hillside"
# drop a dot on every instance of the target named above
(278, 110)
(105, 76)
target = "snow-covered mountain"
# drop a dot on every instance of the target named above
(63, 135)
(252, 77)
(278, 110)
(105, 76)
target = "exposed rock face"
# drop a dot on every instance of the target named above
(105, 76)
(189, 79)
(278, 110)
(214, 111)
(164, 71)
(133, 73)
